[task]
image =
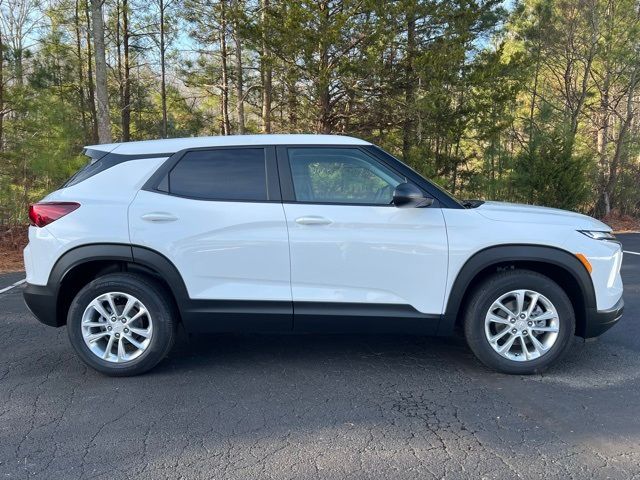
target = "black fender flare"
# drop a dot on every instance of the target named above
(130, 254)
(501, 254)
(86, 253)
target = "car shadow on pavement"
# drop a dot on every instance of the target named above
(311, 352)
(587, 365)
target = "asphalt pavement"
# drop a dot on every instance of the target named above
(306, 407)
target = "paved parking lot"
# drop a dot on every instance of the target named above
(319, 407)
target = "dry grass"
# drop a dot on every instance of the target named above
(12, 242)
(622, 223)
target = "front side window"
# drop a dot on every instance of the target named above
(223, 174)
(341, 175)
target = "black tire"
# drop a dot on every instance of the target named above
(493, 288)
(154, 298)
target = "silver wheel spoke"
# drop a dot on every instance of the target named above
(94, 324)
(130, 304)
(106, 339)
(545, 316)
(107, 351)
(133, 341)
(498, 336)
(94, 337)
(551, 328)
(497, 319)
(97, 306)
(520, 294)
(112, 305)
(533, 303)
(507, 345)
(139, 331)
(502, 307)
(121, 352)
(137, 315)
(525, 350)
(539, 348)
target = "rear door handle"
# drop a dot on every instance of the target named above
(313, 220)
(159, 217)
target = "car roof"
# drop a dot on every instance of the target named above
(172, 145)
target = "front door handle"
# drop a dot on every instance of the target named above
(159, 217)
(313, 220)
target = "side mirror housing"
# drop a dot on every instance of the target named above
(407, 195)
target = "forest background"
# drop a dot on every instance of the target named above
(533, 101)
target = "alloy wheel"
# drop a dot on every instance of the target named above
(117, 327)
(522, 325)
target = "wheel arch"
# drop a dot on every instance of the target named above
(78, 266)
(560, 265)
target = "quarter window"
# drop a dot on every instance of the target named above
(341, 175)
(224, 174)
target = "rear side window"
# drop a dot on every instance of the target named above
(98, 161)
(224, 174)
(101, 161)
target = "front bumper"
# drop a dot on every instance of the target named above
(42, 303)
(599, 321)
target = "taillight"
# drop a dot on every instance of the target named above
(41, 214)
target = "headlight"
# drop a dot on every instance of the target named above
(598, 235)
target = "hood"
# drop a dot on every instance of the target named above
(520, 213)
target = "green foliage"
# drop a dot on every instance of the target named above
(550, 174)
(37, 160)
(537, 104)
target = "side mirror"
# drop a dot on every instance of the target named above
(407, 195)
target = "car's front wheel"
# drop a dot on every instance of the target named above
(121, 324)
(519, 322)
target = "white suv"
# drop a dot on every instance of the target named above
(305, 233)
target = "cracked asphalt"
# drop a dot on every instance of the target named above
(308, 407)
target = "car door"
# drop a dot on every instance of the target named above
(355, 257)
(216, 214)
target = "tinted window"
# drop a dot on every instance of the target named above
(438, 187)
(99, 161)
(341, 175)
(232, 174)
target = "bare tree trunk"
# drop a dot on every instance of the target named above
(324, 77)
(226, 126)
(266, 70)
(408, 132)
(239, 72)
(1, 93)
(19, 69)
(534, 94)
(126, 88)
(576, 87)
(620, 144)
(604, 205)
(118, 42)
(324, 98)
(83, 112)
(582, 93)
(90, 87)
(292, 103)
(348, 111)
(102, 94)
(163, 73)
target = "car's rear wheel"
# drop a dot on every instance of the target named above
(121, 324)
(519, 322)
